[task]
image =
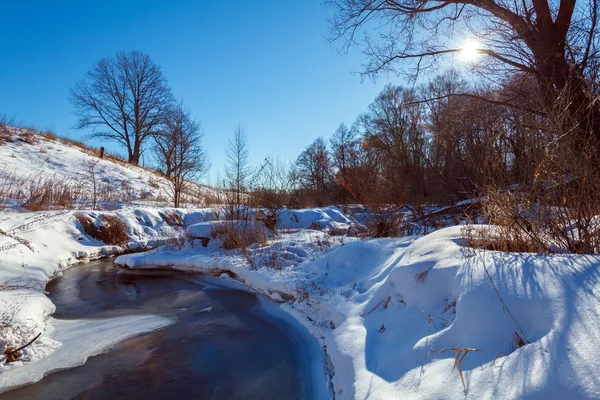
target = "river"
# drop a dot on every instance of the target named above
(223, 345)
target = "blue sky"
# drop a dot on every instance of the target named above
(264, 64)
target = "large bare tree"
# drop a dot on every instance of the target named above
(179, 151)
(555, 42)
(124, 99)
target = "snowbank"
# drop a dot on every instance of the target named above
(328, 219)
(393, 314)
(36, 247)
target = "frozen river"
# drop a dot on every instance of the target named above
(222, 346)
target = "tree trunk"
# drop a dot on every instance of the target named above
(564, 85)
(134, 156)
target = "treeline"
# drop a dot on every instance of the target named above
(533, 163)
(436, 143)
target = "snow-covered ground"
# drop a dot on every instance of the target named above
(410, 317)
(394, 314)
(31, 159)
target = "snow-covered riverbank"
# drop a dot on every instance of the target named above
(36, 247)
(394, 315)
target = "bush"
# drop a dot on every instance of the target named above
(238, 234)
(111, 232)
(385, 223)
(51, 193)
(29, 136)
(172, 218)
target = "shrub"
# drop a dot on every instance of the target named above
(239, 234)
(172, 218)
(49, 193)
(385, 223)
(111, 232)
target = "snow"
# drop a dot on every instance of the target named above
(390, 316)
(58, 160)
(325, 219)
(390, 312)
(211, 228)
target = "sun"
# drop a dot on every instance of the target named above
(470, 50)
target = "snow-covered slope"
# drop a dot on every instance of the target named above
(28, 158)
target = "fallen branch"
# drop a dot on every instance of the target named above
(13, 355)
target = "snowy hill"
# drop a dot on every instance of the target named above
(37, 164)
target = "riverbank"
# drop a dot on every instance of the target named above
(413, 317)
(37, 247)
(425, 317)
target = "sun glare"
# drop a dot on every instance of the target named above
(469, 50)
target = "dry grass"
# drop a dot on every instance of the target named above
(48, 134)
(498, 238)
(239, 234)
(172, 218)
(461, 353)
(48, 193)
(29, 136)
(112, 231)
(422, 276)
(385, 223)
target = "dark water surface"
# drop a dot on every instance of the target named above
(230, 352)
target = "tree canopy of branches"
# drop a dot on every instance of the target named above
(554, 42)
(123, 98)
(179, 151)
(313, 169)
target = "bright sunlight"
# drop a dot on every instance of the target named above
(469, 50)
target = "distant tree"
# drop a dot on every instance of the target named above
(394, 132)
(123, 98)
(274, 187)
(238, 172)
(343, 145)
(313, 168)
(178, 149)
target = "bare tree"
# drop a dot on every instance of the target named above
(123, 98)
(395, 131)
(238, 172)
(90, 166)
(314, 173)
(555, 42)
(342, 143)
(274, 186)
(178, 149)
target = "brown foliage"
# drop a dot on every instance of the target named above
(172, 218)
(111, 232)
(239, 234)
